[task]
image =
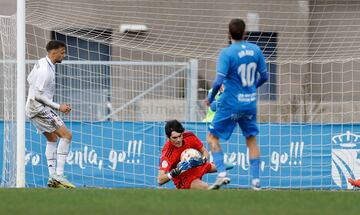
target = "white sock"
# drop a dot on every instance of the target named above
(50, 153)
(62, 153)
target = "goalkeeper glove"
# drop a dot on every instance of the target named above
(194, 162)
(174, 172)
(182, 166)
(185, 165)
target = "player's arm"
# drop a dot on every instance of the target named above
(262, 70)
(222, 70)
(216, 87)
(164, 177)
(205, 154)
(40, 97)
(213, 105)
(39, 86)
(195, 162)
(198, 145)
(41, 81)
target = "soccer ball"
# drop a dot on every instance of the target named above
(189, 153)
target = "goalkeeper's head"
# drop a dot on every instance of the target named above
(237, 29)
(174, 131)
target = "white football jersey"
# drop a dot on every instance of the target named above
(41, 78)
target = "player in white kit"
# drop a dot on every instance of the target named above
(40, 110)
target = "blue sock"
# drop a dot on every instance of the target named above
(255, 167)
(219, 161)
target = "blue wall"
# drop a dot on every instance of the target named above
(126, 154)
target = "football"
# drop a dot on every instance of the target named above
(189, 153)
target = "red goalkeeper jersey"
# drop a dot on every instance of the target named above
(170, 157)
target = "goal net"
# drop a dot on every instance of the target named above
(132, 65)
(8, 102)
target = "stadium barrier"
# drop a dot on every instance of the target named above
(126, 154)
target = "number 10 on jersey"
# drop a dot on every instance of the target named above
(247, 74)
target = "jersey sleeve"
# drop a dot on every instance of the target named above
(165, 161)
(223, 63)
(165, 164)
(41, 79)
(262, 69)
(261, 65)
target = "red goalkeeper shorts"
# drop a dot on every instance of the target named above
(184, 180)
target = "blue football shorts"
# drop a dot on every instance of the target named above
(225, 121)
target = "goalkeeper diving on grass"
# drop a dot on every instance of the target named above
(40, 110)
(184, 174)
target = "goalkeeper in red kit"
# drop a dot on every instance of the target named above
(186, 174)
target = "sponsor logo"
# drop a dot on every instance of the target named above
(164, 164)
(345, 159)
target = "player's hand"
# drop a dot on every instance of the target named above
(213, 105)
(183, 166)
(194, 162)
(207, 102)
(65, 108)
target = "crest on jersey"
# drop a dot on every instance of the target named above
(164, 164)
(345, 159)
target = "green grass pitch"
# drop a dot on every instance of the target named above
(163, 201)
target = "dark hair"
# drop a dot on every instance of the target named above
(54, 44)
(173, 125)
(237, 29)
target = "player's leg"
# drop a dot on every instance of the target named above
(213, 168)
(254, 154)
(46, 122)
(50, 153)
(62, 152)
(198, 184)
(192, 179)
(221, 128)
(217, 152)
(228, 166)
(63, 148)
(250, 130)
(217, 147)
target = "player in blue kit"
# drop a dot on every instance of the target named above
(242, 69)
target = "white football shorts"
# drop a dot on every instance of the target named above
(46, 121)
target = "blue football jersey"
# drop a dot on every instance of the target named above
(241, 64)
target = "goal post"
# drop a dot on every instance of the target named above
(20, 93)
